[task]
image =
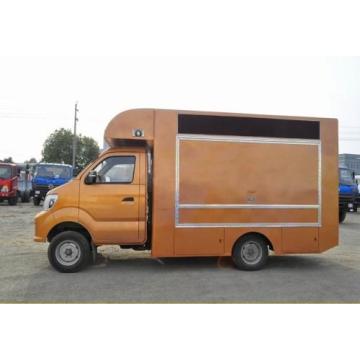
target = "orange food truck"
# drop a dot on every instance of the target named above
(184, 183)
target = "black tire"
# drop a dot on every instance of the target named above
(78, 249)
(355, 208)
(13, 201)
(250, 253)
(93, 253)
(36, 201)
(342, 215)
(25, 198)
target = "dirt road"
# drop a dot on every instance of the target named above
(128, 276)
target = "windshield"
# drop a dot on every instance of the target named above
(5, 172)
(345, 176)
(53, 171)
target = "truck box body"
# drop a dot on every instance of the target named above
(218, 176)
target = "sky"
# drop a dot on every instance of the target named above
(38, 94)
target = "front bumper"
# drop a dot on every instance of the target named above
(40, 193)
(7, 195)
(43, 224)
(346, 202)
(357, 200)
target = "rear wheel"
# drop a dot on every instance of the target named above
(36, 201)
(342, 215)
(250, 252)
(69, 252)
(13, 201)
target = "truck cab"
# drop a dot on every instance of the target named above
(48, 176)
(8, 183)
(348, 193)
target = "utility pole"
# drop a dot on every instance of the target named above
(74, 139)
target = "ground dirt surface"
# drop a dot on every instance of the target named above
(127, 276)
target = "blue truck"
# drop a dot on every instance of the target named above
(348, 192)
(48, 176)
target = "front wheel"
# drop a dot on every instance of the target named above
(250, 252)
(69, 252)
(36, 201)
(13, 201)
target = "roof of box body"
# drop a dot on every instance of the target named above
(138, 124)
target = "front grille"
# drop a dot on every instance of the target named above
(43, 187)
(345, 199)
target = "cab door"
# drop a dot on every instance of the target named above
(110, 205)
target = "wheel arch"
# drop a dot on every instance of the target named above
(254, 233)
(69, 226)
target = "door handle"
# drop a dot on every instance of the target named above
(128, 199)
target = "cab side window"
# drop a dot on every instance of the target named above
(116, 170)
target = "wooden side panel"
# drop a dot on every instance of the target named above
(216, 172)
(329, 231)
(199, 242)
(224, 216)
(164, 183)
(300, 240)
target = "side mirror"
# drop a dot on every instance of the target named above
(91, 178)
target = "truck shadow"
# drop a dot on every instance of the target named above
(286, 262)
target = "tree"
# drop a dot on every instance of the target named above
(31, 161)
(8, 160)
(58, 148)
(87, 151)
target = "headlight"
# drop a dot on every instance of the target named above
(5, 189)
(50, 201)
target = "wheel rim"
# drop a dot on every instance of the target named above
(251, 252)
(68, 253)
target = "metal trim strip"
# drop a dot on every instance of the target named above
(247, 206)
(250, 225)
(247, 139)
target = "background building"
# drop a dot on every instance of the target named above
(351, 161)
